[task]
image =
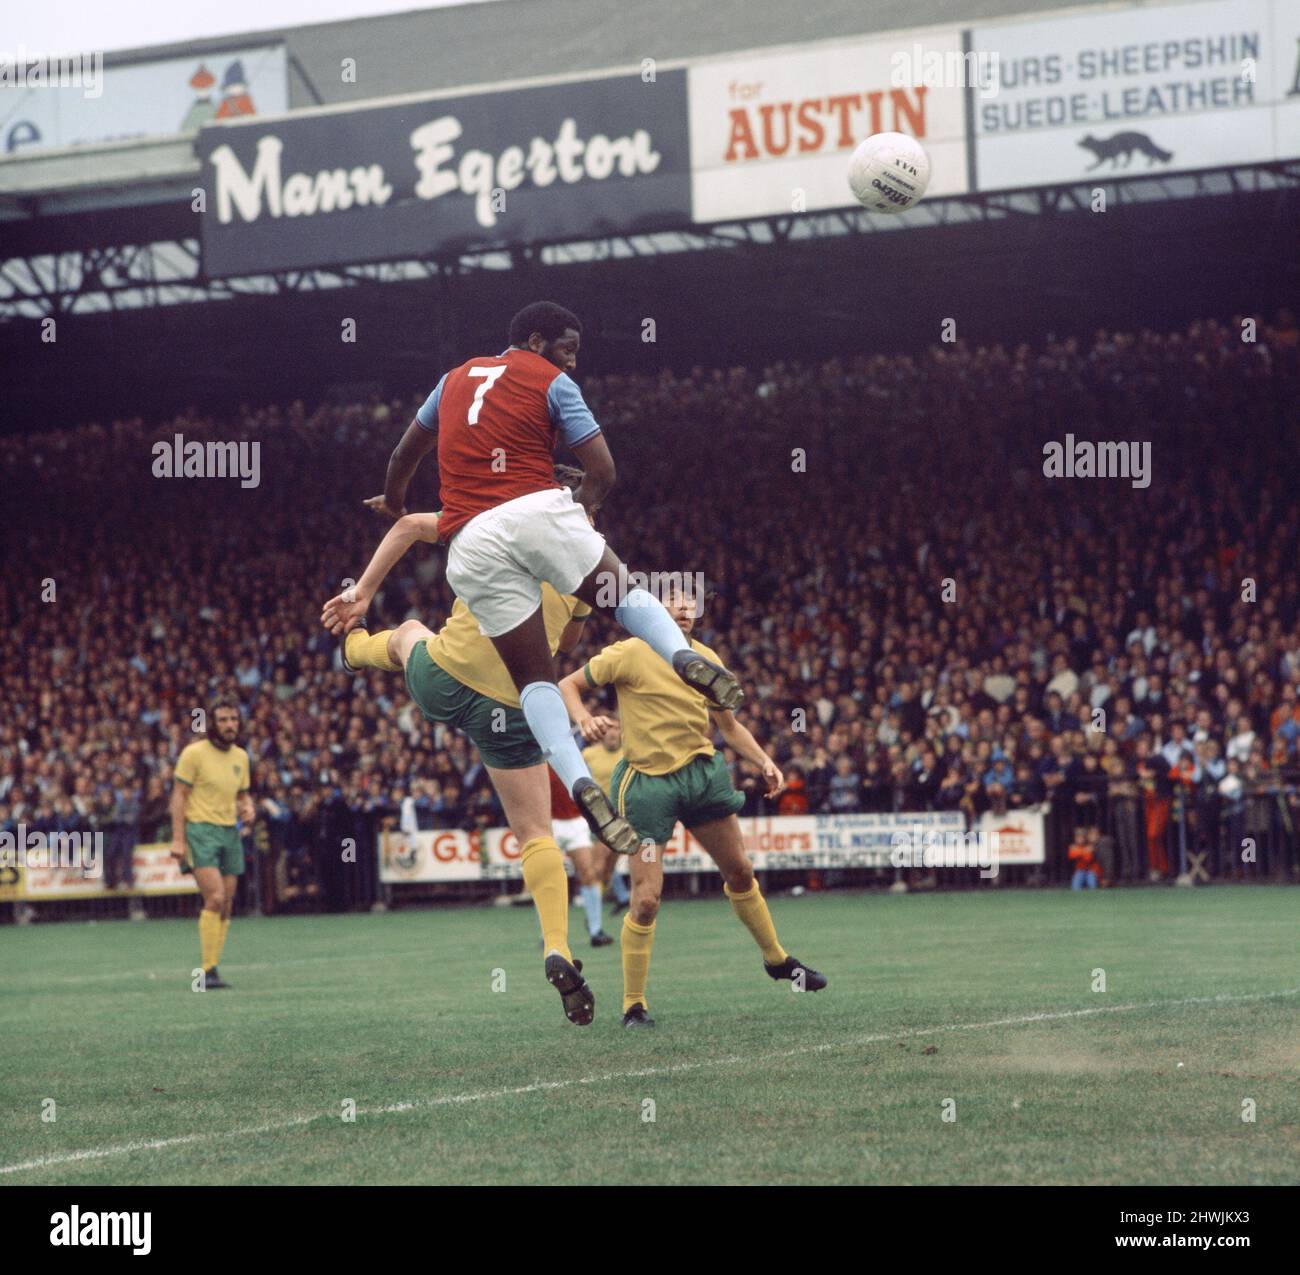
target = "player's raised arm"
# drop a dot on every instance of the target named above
(414, 446)
(419, 440)
(340, 611)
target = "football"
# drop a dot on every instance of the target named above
(889, 172)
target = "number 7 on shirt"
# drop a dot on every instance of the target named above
(489, 375)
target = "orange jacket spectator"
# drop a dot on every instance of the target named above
(794, 801)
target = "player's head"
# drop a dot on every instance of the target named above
(223, 721)
(549, 330)
(682, 600)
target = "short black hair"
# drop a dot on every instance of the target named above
(551, 320)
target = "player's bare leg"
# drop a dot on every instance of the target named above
(607, 867)
(646, 870)
(584, 865)
(212, 888)
(229, 885)
(526, 799)
(644, 616)
(527, 656)
(405, 638)
(724, 844)
(525, 794)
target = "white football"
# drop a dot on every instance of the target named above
(889, 172)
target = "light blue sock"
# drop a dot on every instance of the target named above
(591, 901)
(644, 616)
(618, 883)
(548, 719)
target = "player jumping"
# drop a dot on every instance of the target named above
(670, 771)
(510, 526)
(455, 676)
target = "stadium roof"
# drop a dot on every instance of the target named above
(430, 49)
(58, 199)
(120, 218)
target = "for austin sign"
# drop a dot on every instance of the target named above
(446, 173)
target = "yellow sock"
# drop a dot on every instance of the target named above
(370, 650)
(751, 907)
(548, 883)
(209, 937)
(221, 938)
(637, 942)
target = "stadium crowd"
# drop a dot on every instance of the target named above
(922, 618)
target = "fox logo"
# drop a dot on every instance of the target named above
(1122, 146)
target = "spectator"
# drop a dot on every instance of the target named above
(1102, 597)
(1082, 853)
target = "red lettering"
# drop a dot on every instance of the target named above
(914, 111)
(741, 136)
(770, 143)
(814, 134)
(842, 106)
(873, 103)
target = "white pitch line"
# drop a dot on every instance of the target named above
(544, 1086)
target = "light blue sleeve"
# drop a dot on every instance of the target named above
(569, 411)
(427, 416)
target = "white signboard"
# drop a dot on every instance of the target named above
(782, 842)
(151, 99)
(772, 134)
(1138, 91)
(1018, 836)
(154, 872)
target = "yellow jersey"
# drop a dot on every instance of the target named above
(665, 723)
(601, 762)
(458, 648)
(214, 777)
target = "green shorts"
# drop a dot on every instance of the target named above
(699, 792)
(500, 733)
(214, 845)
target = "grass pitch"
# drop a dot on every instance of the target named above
(975, 1004)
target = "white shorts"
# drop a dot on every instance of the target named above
(571, 834)
(498, 559)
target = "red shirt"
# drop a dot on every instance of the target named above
(562, 805)
(496, 440)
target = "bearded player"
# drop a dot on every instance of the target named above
(509, 527)
(211, 794)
